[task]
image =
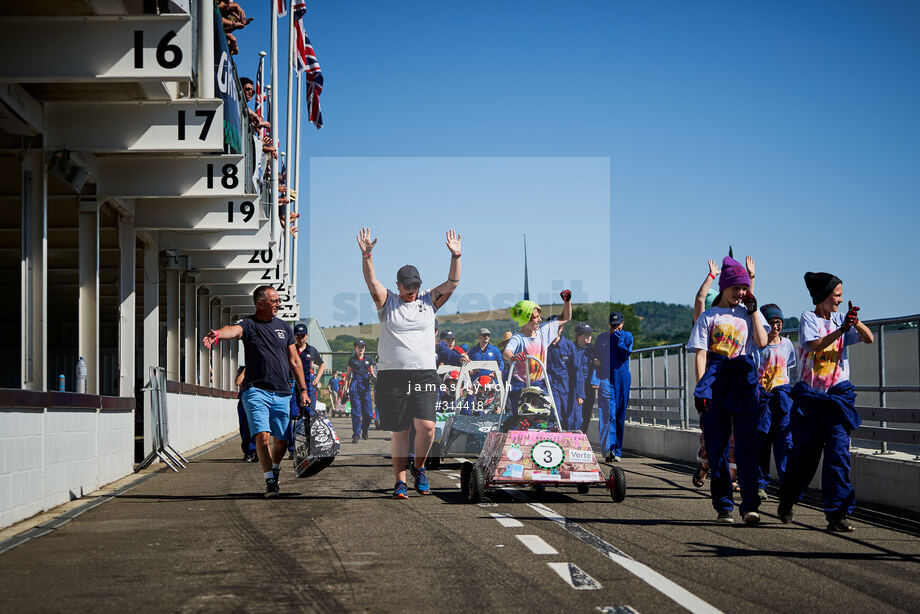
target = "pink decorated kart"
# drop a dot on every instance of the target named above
(529, 448)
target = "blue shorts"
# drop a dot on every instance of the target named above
(267, 412)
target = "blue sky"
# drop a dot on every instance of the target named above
(787, 130)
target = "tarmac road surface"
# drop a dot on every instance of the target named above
(205, 539)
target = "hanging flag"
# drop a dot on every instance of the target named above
(282, 8)
(260, 94)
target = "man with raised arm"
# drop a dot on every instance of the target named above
(407, 380)
(270, 357)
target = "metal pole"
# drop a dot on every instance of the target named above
(882, 380)
(288, 139)
(292, 265)
(641, 417)
(652, 359)
(667, 420)
(273, 176)
(206, 49)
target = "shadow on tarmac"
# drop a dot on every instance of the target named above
(714, 550)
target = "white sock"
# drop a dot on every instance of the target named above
(269, 474)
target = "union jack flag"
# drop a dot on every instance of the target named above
(260, 94)
(305, 62)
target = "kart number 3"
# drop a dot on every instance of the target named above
(547, 454)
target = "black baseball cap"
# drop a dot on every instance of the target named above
(300, 328)
(447, 334)
(408, 275)
(616, 318)
(582, 328)
(360, 342)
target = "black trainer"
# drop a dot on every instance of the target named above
(785, 513)
(840, 525)
(271, 487)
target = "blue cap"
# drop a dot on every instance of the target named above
(582, 328)
(300, 328)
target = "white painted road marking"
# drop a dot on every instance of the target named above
(453, 476)
(617, 609)
(536, 544)
(506, 521)
(672, 590)
(576, 578)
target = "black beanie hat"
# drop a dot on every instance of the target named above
(820, 285)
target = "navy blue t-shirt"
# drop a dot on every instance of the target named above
(360, 369)
(266, 344)
(308, 356)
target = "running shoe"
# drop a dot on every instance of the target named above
(271, 487)
(725, 518)
(421, 481)
(616, 458)
(751, 518)
(785, 513)
(840, 525)
(762, 493)
(400, 491)
(355, 439)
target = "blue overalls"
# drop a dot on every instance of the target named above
(489, 353)
(731, 387)
(613, 350)
(584, 368)
(447, 355)
(359, 391)
(822, 422)
(560, 363)
(775, 407)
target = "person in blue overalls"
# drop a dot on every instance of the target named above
(358, 382)
(247, 442)
(560, 365)
(774, 364)
(582, 394)
(823, 411)
(448, 352)
(727, 392)
(612, 350)
(309, 356)
(485, 351)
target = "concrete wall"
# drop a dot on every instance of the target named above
(889, 480)
(194, 420)
(51, 456)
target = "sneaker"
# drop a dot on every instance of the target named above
(355, 439)
(400, 491)
(840, 525)
(290, 455)
(762, 493)
(253, 457)
(725, 518)
(751, 518)
(616, 459)
(421, 481)
(247, 458)
(785, 513)
(364, 436)
(608, 458)
(271, 487)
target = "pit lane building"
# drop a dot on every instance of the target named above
(131, 225)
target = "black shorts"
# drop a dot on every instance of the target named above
(404, 394)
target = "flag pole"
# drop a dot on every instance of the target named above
(288, 141)
(296, 183)
(273, 177)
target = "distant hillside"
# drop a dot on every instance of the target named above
(659, 318)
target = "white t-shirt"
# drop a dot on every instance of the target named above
(406, 333)
(535, 346)
(774, 363)
(825, 369)
(723, 330)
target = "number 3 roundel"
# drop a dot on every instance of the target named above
(547, 454)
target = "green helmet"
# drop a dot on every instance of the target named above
(523, 311)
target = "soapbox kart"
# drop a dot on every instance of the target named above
(530, 448)
(467, 411)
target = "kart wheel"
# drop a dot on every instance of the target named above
(617, 484)
(582, 489)
(465, 470)
(477, 486)
(433, 461)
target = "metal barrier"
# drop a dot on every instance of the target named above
(161, 448)
(664, 405)
(671, 407)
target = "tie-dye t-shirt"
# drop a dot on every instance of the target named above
(825, 369)
(723, 330)
(535, 346)
(774, 362)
